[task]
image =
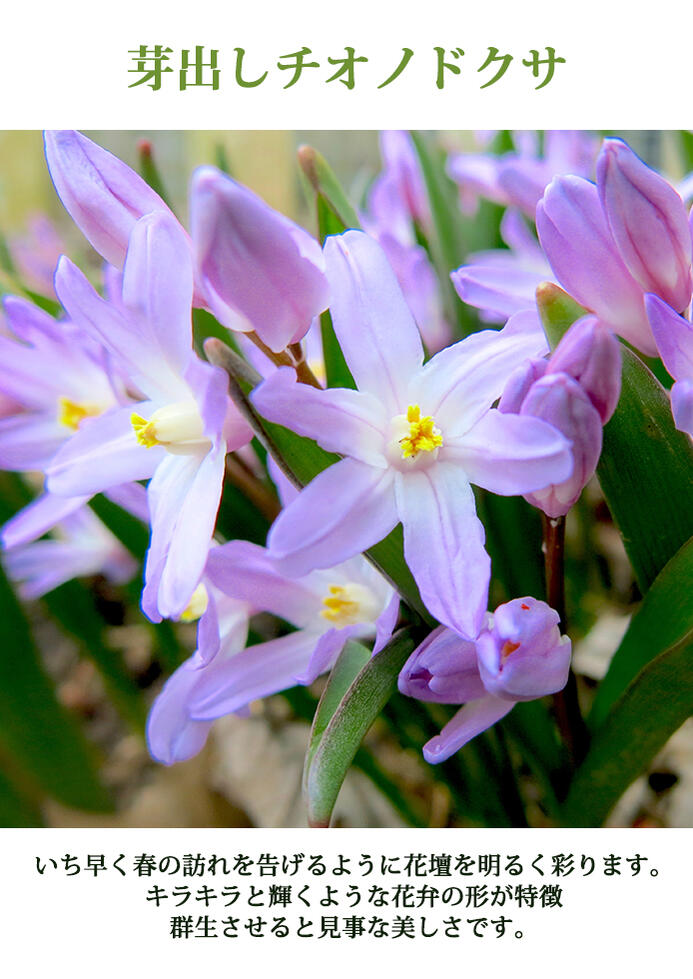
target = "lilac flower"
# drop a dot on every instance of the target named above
(576, 391)
(414, 436)
(179, 435)
(518, 179)
(57, 378)
(36, 252)
(82, 546)
(254, 268)
(396, 203)
(674, 338)
(102, 195)
(327, 608)
(519, 655)
(575, 236)
(649, 224)
(504, 281)
(401, 180)
(257, 269)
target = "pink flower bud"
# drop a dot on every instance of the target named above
(522, 655)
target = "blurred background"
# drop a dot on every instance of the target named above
(250, 772)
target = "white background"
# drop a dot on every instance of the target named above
(84, 927)
(628, 67)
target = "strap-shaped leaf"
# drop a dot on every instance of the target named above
(349, 664)
(356, 711)
(663, 620)
(34, 729)
(655, 662)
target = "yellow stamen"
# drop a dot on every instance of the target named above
(197, 606)
(144, 431)
(72, 414)
(423, 435)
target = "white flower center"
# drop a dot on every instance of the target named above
(349, 604)
(178, 427)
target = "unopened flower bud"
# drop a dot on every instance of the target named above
(522, 655)
(559, 400)
(590, 353)
(648, 221)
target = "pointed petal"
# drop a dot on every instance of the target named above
(102, 195)
(472, 719)
(246, 571)
(343, 511)
(575, 236)
(184, 498)
(38, 518)
(499, 290)
(512, 454)
(461, 382)
(103, 453)
(648, 221)
(172, 735)
(374, 326)
(674, 337)
(253, 263)
(158, 287)
(444, 545)
(327, 649)
(349, 422)
(256, 672)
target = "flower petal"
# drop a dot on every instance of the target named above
(256, 672)
(254, 264)
(444, 545)
(38, 518)
(246, 571)
(472, 719)
(461, 382)
(340, 420)
(575, 236)
(512, 454)
(102, 195)
(103, 453)
(374, 326)
(343, 511)
(674, 337)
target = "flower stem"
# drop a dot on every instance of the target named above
(291, 357)
(566, 705)
(247, 482)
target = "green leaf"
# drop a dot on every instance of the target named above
(350, 662)
(17, 808)
(336, 369)
(359, 707)
(663, 619)
(34, 729)
(445, 239)
(646, 473)
(325, 184)
(654, 670)
(558, 311)
(150, 171)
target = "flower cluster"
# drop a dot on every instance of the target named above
(115, 391)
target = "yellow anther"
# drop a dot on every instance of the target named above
(72, 414)
(197, 606)
(341, 606)
(144, 431)
(423, 435)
